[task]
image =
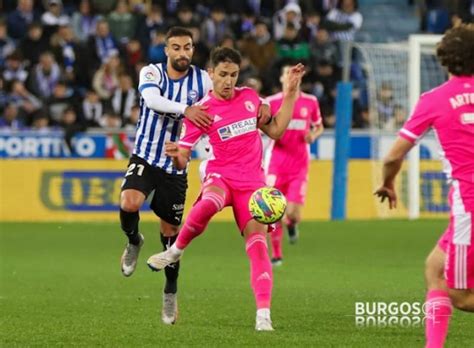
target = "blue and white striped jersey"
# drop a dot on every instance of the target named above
(155, 127)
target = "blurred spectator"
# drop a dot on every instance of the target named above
(322, 48)
(10, 118)
(153, 22)
(254, 83)
(324, 6)
(245, 24)
(185, 17)
(227, 41)
(15, 68)
(133, 54)
(326, 77)
(290, 14)
(6, 44)
(132, 121)
(311, 26)
(33, 44)
(54, 17)
(40, 123)
(215, 28)
(344, 21)
(45, 76)
(84, 21)
(247, 70)
(69, 123)
(201, 51)
(19, 20)
(124, 97)
(122, 22)
(102, 44)
(3, 95)
(385, 104)
(259, 47)
(59, 101)
(92, 109)
(291, 46)
(156, 52)
(63, 45)
(26, 102)
(111, 120)
(105, 80)
(103, 6)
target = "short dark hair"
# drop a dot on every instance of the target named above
(178, 32)
(225, 55)
(456, 50)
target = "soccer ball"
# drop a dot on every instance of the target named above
(267, 205)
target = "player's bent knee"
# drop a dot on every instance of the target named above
(462, 300)
(130, 203)
(169, 230)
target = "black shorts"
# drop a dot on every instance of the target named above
(170, 190)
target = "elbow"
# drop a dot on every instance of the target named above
(276, 135)
(392, 160)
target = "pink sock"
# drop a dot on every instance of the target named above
(438, 313)
(276, 236)
(261, 277)
(199, 217)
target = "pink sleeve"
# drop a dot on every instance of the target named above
(419, 122)
(190, 134)
(316, 119)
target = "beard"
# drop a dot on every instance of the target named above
(181, 65)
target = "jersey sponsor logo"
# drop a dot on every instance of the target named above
(149, 76)
(297, 125)
(249, 106)
(238, 128)
(467, 118)
(304, 112)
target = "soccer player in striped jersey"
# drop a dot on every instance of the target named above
(287, 162)
(449, 110)
(167, 94)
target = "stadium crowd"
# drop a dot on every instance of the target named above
(74, 64)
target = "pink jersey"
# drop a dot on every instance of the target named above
(449, 110)
(290, 154)
(234, 137)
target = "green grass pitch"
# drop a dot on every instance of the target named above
(61, 285)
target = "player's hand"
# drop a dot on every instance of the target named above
(388, 192)
(171, 149)
(292, 79)
(264, 115)
(197, 114)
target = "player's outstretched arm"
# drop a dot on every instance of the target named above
(391, 166)
(291, 89)
(179, 154)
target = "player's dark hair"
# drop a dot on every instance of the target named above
(456, 50)
(178, 32)
(225, 55)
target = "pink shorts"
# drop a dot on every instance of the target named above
(459, 243)
(292, 186)
(235, 196)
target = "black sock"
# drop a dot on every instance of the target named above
(129, 223)
(171, 271)
(291, 230)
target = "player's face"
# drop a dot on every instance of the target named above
(224, 77)
(179, 50)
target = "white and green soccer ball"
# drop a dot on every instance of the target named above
(267, 205)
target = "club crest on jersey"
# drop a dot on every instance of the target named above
(192, 96)
(237, 128)
(304, 112)
(250, 106)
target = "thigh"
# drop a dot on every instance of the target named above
(170, 196)
(296, 191)
(139, 176)
(459, 269)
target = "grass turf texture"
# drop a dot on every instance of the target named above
(61, 285)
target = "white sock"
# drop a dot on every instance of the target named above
(175, 250)
(263, 313)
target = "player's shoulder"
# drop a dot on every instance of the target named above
(309, 97)
(247, 92)
(205, 100)
(151, 72)
(435, 92)
(274, 97)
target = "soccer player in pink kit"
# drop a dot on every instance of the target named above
(449, 111)
(235, 171)
(288, 162)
